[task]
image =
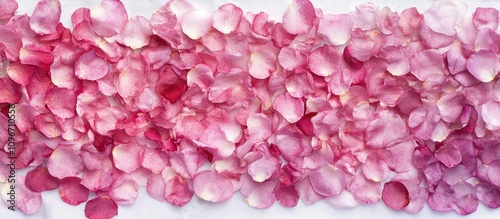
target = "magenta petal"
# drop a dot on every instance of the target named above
(72, 191)
(395, 195)
(46, 16)
(39, 180)
(101, 208)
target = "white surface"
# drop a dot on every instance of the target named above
(147, 207)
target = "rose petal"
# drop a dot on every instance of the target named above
(137, 32)
(64, 162)
(395, 195)
(26, 201)
(91, 67)
(211, 186)
(298, 17)
(126, 157)
(328, 180)
(335, 28)
(178, 191)
(39, 180)
(100, 208)
(227, 17)
(485, 18)
(62, 102)
(324, 61)
(72, 191)
(7, 9)
(196, 24)
(101, 13)
(483, 65)
(292, 109)
(46, 16)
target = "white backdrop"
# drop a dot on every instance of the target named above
(236, 207)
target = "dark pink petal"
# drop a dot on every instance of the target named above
(123, 190)
(46, 16)
(305, 125)
(137, 32)
(101, 208)
(262, 64)
(64, 162)
(409, 21)
(483, 65)
(9, 92)
(286, 196)
(226, 18)
(328, 180)
(91, 67)
(385, 129)
(211, 186)
(10, 43)
(196, 24)
(292, 109)
(72, 191)
(395, 195)
(100, 16)
(26, 201)
(79, 15)
(126, 157)
(335, 28)
(39, 180)
(442, 17)
(324, 61)
(7, 9)
(36, 55)
(178, 191)
(485, 18)
(299, 16)
(62, 102)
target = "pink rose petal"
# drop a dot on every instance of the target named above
(395, 195)
(91, 67)
(336, 28)
(328, 180)
(483, 65)
(226, 18)
(126, 157)
(298, 17)
(39, 180)
(196, 24)
(26, 201)
(46, 16)
(72, 191)
(211, 186)
(101, 13)
(64, 162)
(292, 109)
(100, 208)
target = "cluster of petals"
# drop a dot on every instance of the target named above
(372, 105)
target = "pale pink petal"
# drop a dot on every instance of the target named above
(434, 39)
(126, 157)
(375, 168)
(62, 102)
(201, 75)
(25, 117)
(328, 180)
(196, 24)
(385, 129)
(91, 67)
(450, 106)
(292, 109)
(258, 195)
(483, 65)
(39, 180)
(364, 16)
(63, 75)
(427, 63)
(387, 21)
(299, 16)
(259, 126)
(7, 9)
(49, 125)
(442, 17)
(262, 64)
(409, 21)
(37, 55)
(325, 60)
(99, 179)
(137, 32)
(101, 208)
(493, 172)
(227, 17)
(489, 114)
(442, 198)
(485, 18)
(156, 187)
(448, 155)
(398, 61)
(290, 58)
(100, 16)
(215, 138)
(335, 28)
(211, 186)
(46, 16)
(64, 162)
(365, 191)
(306, 191)
(124, 190)
(130, 82)
(26, 201)
(72, 191)
(395, 195)
(153, 160)
(343, 200)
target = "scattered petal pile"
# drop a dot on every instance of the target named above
(348, 108)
